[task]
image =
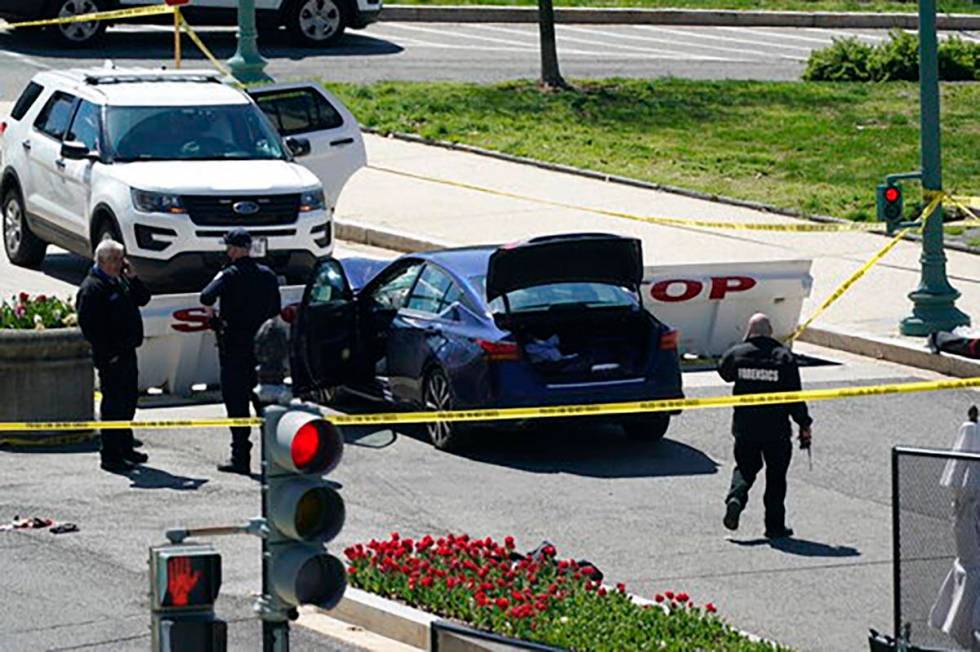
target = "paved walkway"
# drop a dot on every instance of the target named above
(455, 215)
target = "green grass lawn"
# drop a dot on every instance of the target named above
(949, 6)
(817, 147)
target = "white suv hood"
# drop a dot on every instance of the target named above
(215, 177)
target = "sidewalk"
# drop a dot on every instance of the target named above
(376, 205)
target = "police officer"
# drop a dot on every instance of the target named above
(763, 435)
(108, 304)
(249, 294)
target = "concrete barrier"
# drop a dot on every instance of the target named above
(45, 375)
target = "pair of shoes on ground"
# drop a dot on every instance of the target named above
(241, 467)
(124, 462)
(733, 511)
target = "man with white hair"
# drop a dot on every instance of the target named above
(763, 435)
(108, 306)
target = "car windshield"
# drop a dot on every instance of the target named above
(190, 133)
(560, 295)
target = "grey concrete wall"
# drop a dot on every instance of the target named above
(45, 376)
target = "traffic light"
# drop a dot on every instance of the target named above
(890, 204)
(184, 583)
(302, 510)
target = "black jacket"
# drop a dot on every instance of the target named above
(109, 314)
(761, 365)
(249, 294)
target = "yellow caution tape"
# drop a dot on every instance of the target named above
(29, 426)
(803, 227)
(200, 45)
(116, 14)
(521, 413)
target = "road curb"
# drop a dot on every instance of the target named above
(705, 17)
(891, 350)
(637, 183)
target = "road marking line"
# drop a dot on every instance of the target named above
(760, 53)
(724, 38)
(777, 35)
(398, 40)
(23, 58)
(440, 32)
(846, 34)
(631, 48)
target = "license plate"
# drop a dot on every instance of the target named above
(259, 247)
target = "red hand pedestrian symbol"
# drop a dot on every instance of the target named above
(180, 579)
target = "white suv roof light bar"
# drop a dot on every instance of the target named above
(122, 77)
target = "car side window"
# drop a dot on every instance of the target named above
(299, 111)
(329, 285)
(26, 100)
(85, 125)
(434, 292)
(54, 117)
(393, 292)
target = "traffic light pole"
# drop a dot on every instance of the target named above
(275, 633)
(247, 65)
(934, 301)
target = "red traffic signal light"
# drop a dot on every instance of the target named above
(307, 444)
(892, 194)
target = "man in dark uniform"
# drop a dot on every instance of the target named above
(763, 434)
(108, 306)
(249, 294)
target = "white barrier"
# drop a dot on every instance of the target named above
(708, 304)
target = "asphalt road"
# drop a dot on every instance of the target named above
(648, 515)
(472, 52)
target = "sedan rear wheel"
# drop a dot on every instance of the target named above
(317, 23)
(77, 34)
(438, 396)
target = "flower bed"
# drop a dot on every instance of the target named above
(541, 598)
(24, 312)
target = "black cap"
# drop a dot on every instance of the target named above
(238, 238)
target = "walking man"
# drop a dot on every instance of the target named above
(249, 294)
(108, 306)
(763, 435)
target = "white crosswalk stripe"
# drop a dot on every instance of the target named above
(706, 35)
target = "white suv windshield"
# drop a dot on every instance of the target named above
(190, 133)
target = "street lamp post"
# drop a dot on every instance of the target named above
(934, 301)
(247, 65)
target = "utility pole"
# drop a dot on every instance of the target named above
(934, 301)
(247, 65)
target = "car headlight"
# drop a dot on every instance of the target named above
(156, 202)
(312, 200)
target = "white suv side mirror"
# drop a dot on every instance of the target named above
(76, 151)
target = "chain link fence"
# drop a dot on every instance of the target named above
(936, 546)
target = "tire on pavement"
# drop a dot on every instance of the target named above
(317, 23)
(437, 394)
(22, 246)
(75, 35)
(648, 427)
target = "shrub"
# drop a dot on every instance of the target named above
(845, 60)
(539, 598)
(896, 59)
(38, 313)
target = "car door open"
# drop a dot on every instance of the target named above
(305, 110)
(323, 344)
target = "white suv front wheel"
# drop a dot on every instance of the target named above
(317, 23)
(77, 34)
(22, 246)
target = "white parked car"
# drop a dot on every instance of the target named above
(167, 162)
(310, 22)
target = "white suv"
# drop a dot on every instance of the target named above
(167, 162)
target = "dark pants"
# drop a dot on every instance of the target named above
(751, 452)
(119, 383)
(238, 379)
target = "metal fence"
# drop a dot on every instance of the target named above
(936, 545)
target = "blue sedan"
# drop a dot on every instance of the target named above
(551, 321)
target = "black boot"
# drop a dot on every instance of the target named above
(236, 465)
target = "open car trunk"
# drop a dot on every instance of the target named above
(585, 345)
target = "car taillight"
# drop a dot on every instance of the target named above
(288, 313)
(3, 127)
(500, 351)
(669, 340)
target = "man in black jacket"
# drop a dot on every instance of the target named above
(108, 306)
(763, 434)
(249, 295)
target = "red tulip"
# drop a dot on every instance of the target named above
(710, 608)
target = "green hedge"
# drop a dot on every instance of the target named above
(896, 59)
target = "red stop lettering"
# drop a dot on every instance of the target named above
(191, 320)
(722, 285)
(661, 290)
